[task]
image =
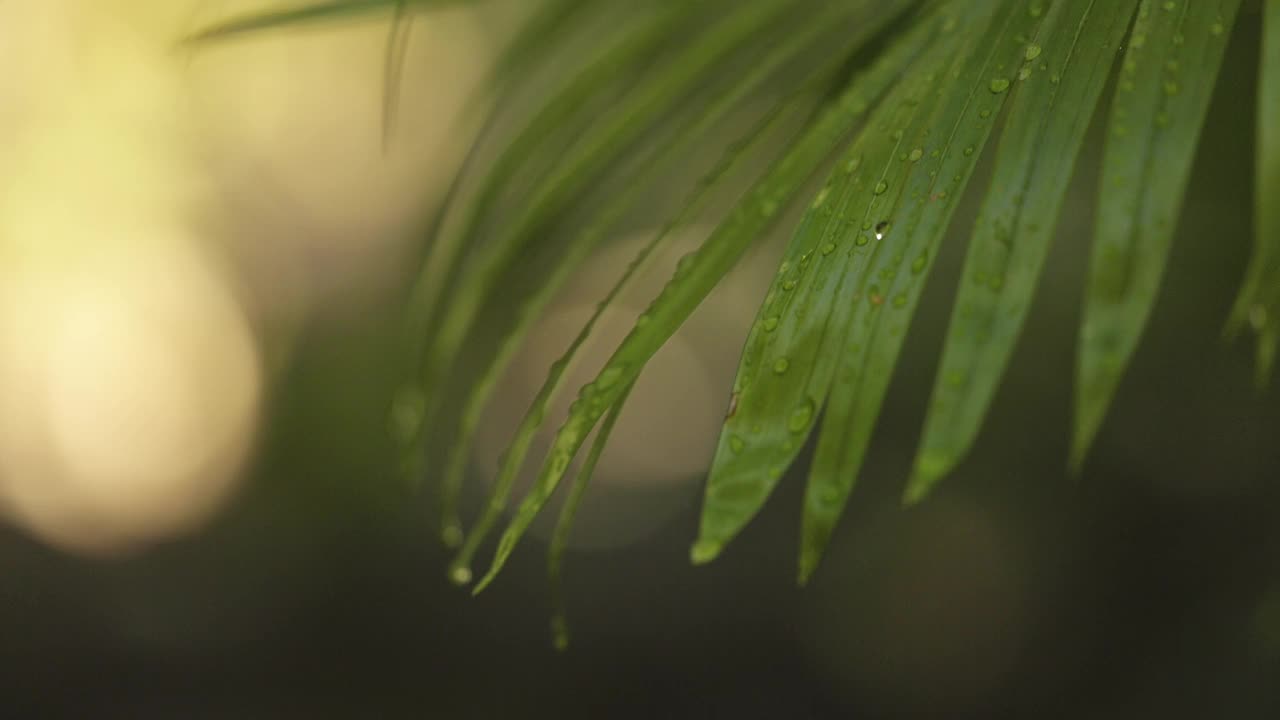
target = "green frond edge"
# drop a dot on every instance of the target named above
(317, 13)
(784, 372)
(1066, 69)
(564, 523)
(953, 136)
(1156, 116)
(696, 276)
(514, 456)
(1258, 305)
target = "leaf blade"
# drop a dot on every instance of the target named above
(1043, 134)
(1258, 305)
(1155, 122)
(760, 72)
(315, 13)
(889, 284)
(787, 365)
(754, 215)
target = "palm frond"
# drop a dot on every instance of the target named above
(1066, 69)
(711, 118)
(895, 101)
(1156, 115)
(1258, 305)
(326, 12)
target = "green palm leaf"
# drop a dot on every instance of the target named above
(318, 12)
(1043, 133)
(695, 278)
(1156, 115)
(914, 90)
(672, 154)
(889, 283)
(789, 361)
(1259, 303)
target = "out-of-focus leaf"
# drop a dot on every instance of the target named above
(698, 274)
(760, 72)
(1064, 70)
(1258, 306)
(946, 140)
(318, 12)
(564, 524)
(788, 362)
(1170, 65)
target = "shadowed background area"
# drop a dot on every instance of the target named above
(203, 260)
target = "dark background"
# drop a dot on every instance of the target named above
(1147, 587)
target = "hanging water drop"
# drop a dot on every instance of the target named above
(801, 416)
(882, 227)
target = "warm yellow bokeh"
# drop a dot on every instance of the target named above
(161, 211)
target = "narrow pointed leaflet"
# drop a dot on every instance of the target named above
(789, 360)
(754, 215)
(1064, 70)
(1170, 64)
(886, 286)
(1258, 306)
(761, 72)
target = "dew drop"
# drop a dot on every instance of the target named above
(800, 417)
(882, 227)
(861, 240)
(900, 300)
(1032, 52)
(918, 265)
(1024, 73)
(736, 444)
(984, 114)
(968, 151)
(881, 187)
(828, 248)
(999, 85)
(770, 324)
(781, 366)
(789, 285)
(916, 155)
